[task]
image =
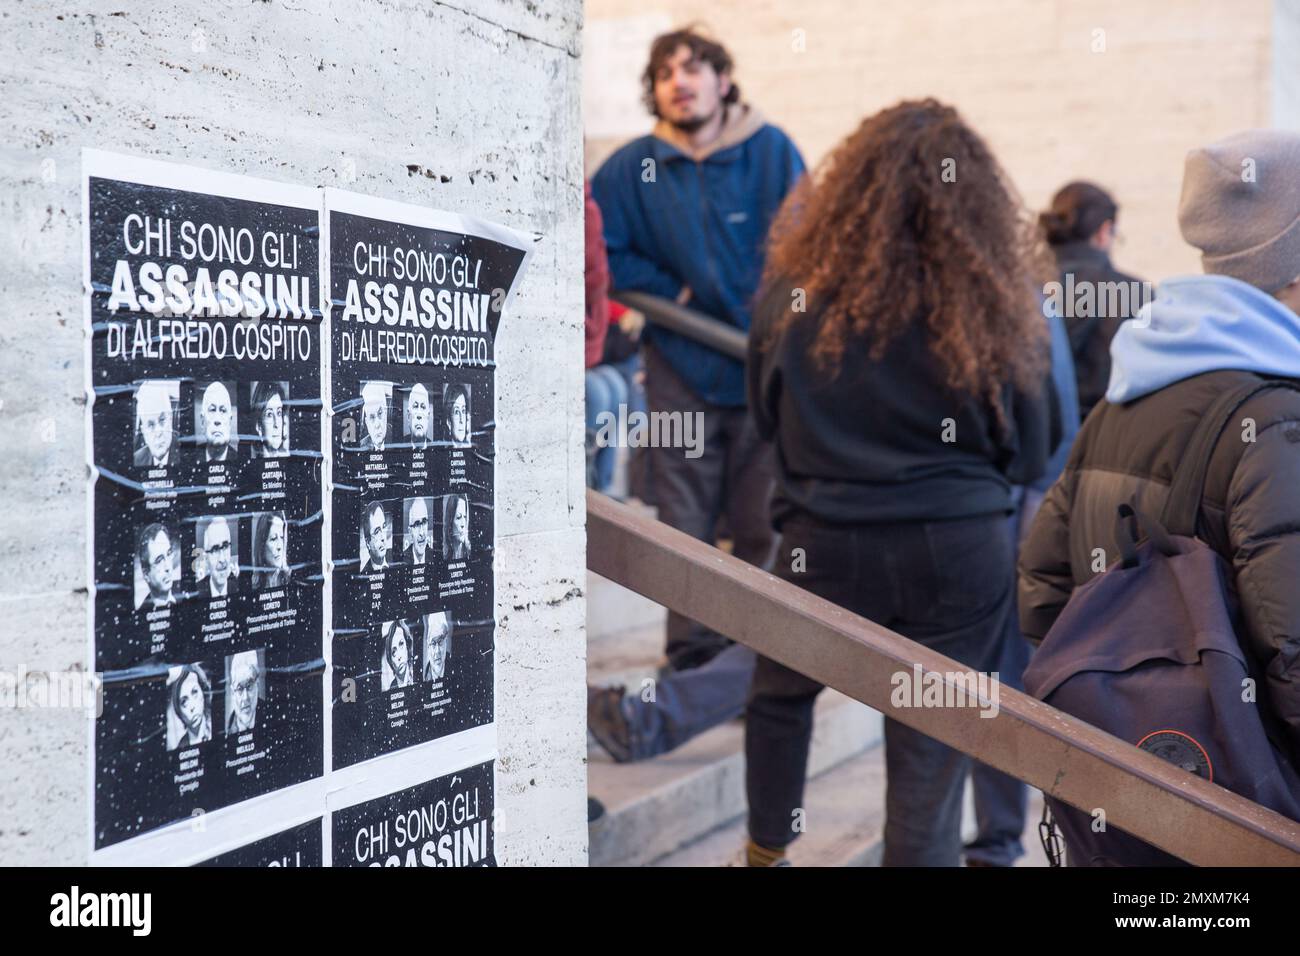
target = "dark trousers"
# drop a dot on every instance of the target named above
(1002, 801)
(733, 477)
(945, 584)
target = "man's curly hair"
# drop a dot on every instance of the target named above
(881, 238)
(701, 47)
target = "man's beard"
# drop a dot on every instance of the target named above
(694, 124)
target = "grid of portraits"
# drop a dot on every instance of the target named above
(228, 553)
(411, 415)
(181, 424)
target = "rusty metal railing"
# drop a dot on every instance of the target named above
(1197, 821)
(691, 323)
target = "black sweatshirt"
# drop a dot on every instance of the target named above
(868, 445)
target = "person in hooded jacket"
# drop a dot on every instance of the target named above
(1201, 336)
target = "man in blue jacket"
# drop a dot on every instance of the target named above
(686, 211)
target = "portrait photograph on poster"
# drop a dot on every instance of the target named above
(189, 706)
(397, 657)
(418, 537)
(270, 557)
(218, 566)
(417, 417)
(157, 405)
(455, 528)
(376, 417)
(245, 688)
(157, 566)
(437, 645)
(457, 425)
(376, 534)
(216, 422)
(268, 409)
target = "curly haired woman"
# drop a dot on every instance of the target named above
(898, 359)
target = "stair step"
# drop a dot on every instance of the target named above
(612, 609)
(845, 818)
(845, 823)
(626, 658)
(657, 806)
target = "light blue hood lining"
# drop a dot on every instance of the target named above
(1198, 324)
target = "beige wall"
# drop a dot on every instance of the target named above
(1173, 74)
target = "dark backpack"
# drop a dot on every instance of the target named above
(1148, 652)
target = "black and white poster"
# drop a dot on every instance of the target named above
(416, 298)
(298, 846)
(203, 310)
(443, 822)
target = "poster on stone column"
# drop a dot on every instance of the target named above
(204, 366)
(416, 298)
(444, 822)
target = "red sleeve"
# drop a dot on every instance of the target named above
(597, 276)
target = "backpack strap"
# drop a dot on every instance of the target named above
(1183, 507)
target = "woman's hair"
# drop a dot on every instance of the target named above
(395, 628)
(204, 683)
(702, 49)
(449, 517)
(262, 531)
(911, 220)
(262, 397)
(449, 397)
(1078, 211)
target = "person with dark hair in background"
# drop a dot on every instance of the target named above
(271, 551)
(1080, 228)
(905, 402)
(686, 211)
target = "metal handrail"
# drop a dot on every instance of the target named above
(1061, 755)
(695, 325)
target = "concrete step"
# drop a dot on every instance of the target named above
(626, 658)
(845, 823)
(612, 609)
(844, 814)
(658, 806)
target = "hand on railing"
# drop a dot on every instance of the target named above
(691, 323)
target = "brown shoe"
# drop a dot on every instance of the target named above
(607, 722)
